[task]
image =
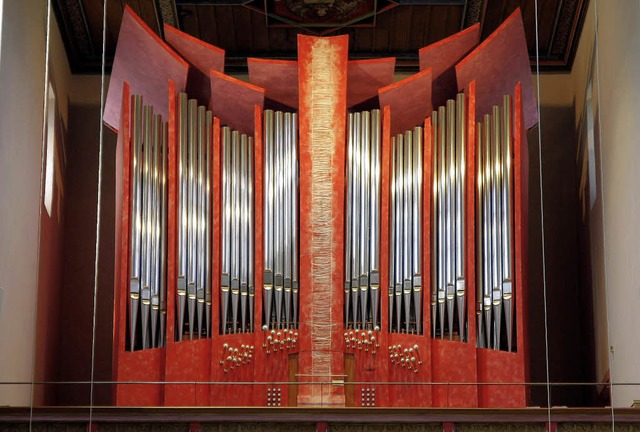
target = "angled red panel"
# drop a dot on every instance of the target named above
(365, 77)
(442, 57)
(147, 64)
(499, 63)
(233, 101)
(410, 101)
(278, 78)
(201, 56)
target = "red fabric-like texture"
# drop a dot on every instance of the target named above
(147, 64)
(201, 56)
(442, 57)
(410, 101)
(233, 101)
(497, 65)
(365, 77)
(278, 78)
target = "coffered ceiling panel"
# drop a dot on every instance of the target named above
(269, 28)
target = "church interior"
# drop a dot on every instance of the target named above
(318, 215)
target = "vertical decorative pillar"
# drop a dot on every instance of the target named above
(322, 78)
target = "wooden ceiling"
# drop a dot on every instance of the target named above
(253, 28)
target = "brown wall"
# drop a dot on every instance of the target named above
(50, 288)
(76, 306)
(568, 329)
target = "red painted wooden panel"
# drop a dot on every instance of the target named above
(172, 213)
(385, 189)
(365, 77)
(497, 65)
(216, 249)
(123, 160)
(453, 364)
(188, 361)
(442, 57)
(201, 56)
(410, 101)
(469, 217)
(406, 387)
(233, 387)
(521, 224)
(258, 201)
(278, 78)
(147, 64)
(233, 101)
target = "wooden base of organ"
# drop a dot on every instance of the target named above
(447, 373)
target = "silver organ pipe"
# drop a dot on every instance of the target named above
(281, 289)
(148, 234)
(448, 288)
(405, 263)
(194, 219)
(237, 283)
(362, 221)
(494, 247)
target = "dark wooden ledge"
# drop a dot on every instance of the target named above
(314, 415)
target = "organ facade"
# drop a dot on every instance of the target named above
(321, 235)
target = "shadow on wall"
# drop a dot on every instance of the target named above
(569, 321)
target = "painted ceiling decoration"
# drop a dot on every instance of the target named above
(269, 28)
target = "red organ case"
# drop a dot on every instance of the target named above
(320, 360)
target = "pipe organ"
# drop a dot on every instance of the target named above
(258, 244)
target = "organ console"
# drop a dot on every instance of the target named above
(343, 257)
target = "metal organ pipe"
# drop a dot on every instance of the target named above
(281, 284)
(362, 221)
(495, 236)
(448, 288)
(448, 295)
(148, 210)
